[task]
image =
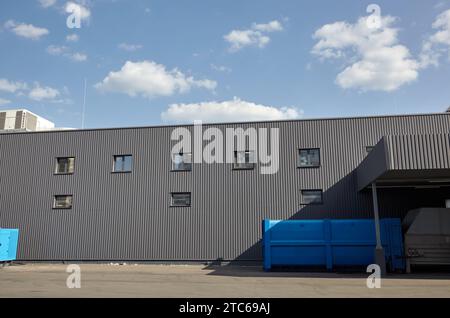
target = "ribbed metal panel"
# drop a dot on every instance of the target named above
(423, 151)
(128, 216)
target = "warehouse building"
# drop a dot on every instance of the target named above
(122, 194)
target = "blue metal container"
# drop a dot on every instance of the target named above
(8, 244)
(330, 243)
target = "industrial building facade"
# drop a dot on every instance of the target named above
(117, 194)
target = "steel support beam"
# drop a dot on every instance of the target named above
(379, 252)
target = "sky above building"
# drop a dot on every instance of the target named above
(164, 62)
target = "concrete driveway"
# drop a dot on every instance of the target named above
(49, 280)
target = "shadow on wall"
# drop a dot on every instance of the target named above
(393, 203)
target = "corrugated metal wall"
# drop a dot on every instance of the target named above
(419, 151)
(128, 216)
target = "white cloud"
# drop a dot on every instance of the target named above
(57, 49)
(149, 79)
(256, 36)
(227, 111)
(272, 26)
(129, 47)
(374, 59)
(4, 101)
(28, 31)
(77, 8)
(11, 87)
(72, 38)
(39, 93)
(47, 3)
(62, 50)
(438, 43)
(221, 68)
(78, 57)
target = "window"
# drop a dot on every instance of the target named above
(312, 196)
(65, 165)
(181, 199)
(181, 161)
(62, 202)
(369, 148)
(244, 160)
(123, 163)
(309, 158)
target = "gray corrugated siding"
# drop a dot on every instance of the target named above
(373, 166)
(418, 152)
(405, 153)
(128, 217)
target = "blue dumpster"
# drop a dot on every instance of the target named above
(8, 244)
(330, 243)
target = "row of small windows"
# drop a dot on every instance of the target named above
(178, 199)
(183, 199)
(243, 160)
(66, 165)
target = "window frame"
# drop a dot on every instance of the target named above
(180, 206)
(123, 164)
(173, 163)
(57, 165)
(253, 164)
(302, 202)
(299, 166)
(54, 207)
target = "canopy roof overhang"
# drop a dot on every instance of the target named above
(420, 161)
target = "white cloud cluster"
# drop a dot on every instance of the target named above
(438, 43)
(28, 31)
(36, 92)
(72, 38)
(4, 101)
(47, 3)
(39, 93)
(129, 47)
(61, 50)
(374, 59)
(220, 68)
(149, 79)
(227, 111)
(10, 86)
(255, 36)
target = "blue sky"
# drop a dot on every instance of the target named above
(160, 62)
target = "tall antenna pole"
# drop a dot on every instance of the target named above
(84, 105)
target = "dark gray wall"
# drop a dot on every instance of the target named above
(128, 216)
(407, 156)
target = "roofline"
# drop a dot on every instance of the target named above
(56, 130)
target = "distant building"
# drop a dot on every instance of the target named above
(23, 120)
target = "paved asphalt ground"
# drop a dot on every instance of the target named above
(49, 280)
